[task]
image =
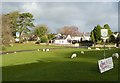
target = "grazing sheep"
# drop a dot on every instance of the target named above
(14, 52)
(116, 47)
(115, 55)
(73, 55)
(97, 48)
(109, 48)
(47, 50)
(11, 45)
(82, 52)
(89, 48)
(7, 53)
(38, 50)
(43, 50)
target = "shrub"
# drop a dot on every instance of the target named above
(3, 47)
(44, 39)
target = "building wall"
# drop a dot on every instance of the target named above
(61, 41)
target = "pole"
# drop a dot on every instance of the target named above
(104, 48)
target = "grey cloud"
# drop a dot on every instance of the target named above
(85, 15)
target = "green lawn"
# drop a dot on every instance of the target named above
(29, 46)
(56, 65)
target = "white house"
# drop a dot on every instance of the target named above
(86, 36)
(115, 35)
(63, 40)
(67, 40)
(78, 38)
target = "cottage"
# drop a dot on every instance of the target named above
(63, 40)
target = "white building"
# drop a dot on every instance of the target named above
(77, 38)
(63, 41)
(68, 39)
(86, 36)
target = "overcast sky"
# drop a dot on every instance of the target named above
(55, 15)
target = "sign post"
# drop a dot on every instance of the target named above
(104, 33)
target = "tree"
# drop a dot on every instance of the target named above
(6, 35)
(69, 30)
(51, 36)
(106, 26)
(112, 39)
(44, 39)
(97, 33)
(12, 17)
(92, 36)
(25, 23)
(41, 30)
(118, 40)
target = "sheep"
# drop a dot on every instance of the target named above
(43, 50)
(116, 47)
(38, 50)
(109, 48)
(47, 50)
(89, 48)
(14, 52)
(115, 55)
(97, 48)
(82, 52)
(74, 55)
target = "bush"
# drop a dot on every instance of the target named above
(44, 39)
(3, 48)
(86, 43)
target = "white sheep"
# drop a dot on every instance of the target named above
(115, 55)
(97, 48)
(89, 48)
(38, 50)
(82, 52)
(47, 50)
(109, 48)
(43, 50)
(74, 55)
(14, 52)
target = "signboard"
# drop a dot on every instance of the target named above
(105, 64)
(104, 32)
(17, 34)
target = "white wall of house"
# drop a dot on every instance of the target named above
(65, 41)
(86, 38)
(61, 41)
(76, 38)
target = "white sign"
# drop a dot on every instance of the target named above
(105, 64)
(17, 34)
(104, 32)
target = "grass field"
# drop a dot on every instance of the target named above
(56, 65)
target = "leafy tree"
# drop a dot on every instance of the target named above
(97, 33)
(92, 36)
(12, 17)
(112, 39)
(106, 26)
(25, 22)
(6, 35)
(51, 36)
(44, 39)
(41, 30)
(118, 40)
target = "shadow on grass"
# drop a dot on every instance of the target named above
(58, 71)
